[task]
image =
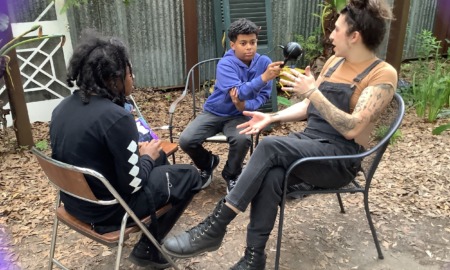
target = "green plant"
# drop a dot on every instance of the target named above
(20, 40)
(381, 131)
(330, 7)
(438, 130)
(311, 45)
(42, 145)
(328, 17)
(431, 82)
(283, 101)
(78, 3)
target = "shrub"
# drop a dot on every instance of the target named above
(431, 82)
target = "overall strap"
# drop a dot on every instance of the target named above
(363, 74)
(333, 68)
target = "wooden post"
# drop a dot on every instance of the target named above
(397, 34)
(442, 24)
(14, 87)
(190, 32)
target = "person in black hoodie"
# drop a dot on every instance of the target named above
(92, 129)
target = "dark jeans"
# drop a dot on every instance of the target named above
(261, 181)
(206, 125)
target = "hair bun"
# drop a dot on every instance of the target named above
(360, 4)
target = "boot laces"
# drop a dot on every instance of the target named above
(249, 256)
(199, 230)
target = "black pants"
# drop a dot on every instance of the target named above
(261, 181)
(176, 184)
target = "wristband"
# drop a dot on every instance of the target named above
(309, 92)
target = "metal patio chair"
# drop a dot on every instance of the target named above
(199, 85)
(71, 180)
(389, 121)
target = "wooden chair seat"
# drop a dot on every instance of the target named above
(110, 239)
(168, 147)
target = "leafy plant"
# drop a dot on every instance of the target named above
(78, 3)
(328, 16)
(311, 46)
(330, 7)
(440, 129)
(381, 131)
(42, 145)
(431, 83)
(283, 101)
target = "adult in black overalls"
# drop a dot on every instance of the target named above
(333, 128)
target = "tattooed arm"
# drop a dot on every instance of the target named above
(371, 103)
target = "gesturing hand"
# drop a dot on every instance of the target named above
(257, 122)
(301, 84)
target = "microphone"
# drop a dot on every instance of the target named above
(291, 52)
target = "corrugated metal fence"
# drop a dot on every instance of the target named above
(154, 31)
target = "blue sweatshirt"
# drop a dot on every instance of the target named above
(232, 72)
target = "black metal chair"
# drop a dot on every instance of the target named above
(389, 122)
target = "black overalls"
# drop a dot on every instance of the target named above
(261, 181)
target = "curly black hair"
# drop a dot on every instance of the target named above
(98, 65)
(242, 27)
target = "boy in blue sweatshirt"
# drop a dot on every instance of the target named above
(243, 82)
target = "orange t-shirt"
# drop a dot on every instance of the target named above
(383, 73)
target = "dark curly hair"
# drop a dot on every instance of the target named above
(242, 27)
(98, 65)
(369, 18)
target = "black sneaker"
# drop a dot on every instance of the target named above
(293, 191)
(146, 254)
(231, 184)
(206, 175)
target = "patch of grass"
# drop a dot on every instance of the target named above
(381, 132)
(41, 145)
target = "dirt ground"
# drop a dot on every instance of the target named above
(409, 200)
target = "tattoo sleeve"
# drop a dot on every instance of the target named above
(370, 104)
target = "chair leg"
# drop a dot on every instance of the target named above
(280, 225)
(340, 203)
(372, 227)
(121, 240)
(53, 242)
(173, 158)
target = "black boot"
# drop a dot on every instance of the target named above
(146, 254)
(254, 259)
(206, 236)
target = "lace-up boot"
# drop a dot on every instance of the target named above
(206, 236)
(146, 254)
(254, 259)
